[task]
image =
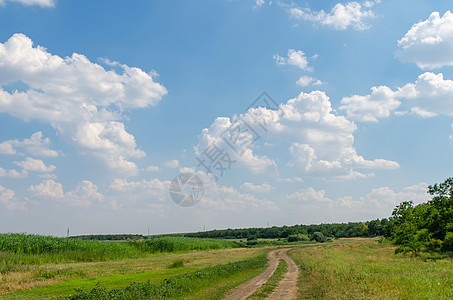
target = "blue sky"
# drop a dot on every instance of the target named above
(103, 103)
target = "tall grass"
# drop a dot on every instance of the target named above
(180, 286)
(364, 269)
(178, 243)
(19, 250)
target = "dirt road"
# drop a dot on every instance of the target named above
(287, 287)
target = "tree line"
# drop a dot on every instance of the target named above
(426, 226)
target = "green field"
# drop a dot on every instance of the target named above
(34, 267)
(364, 269)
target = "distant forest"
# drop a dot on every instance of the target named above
(338, 230)
(426, 227)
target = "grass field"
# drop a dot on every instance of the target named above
(365, 269)
(61, 265)
(176, 267)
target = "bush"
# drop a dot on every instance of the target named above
(433, 245)
(318, 237)
(297, 237)
(447, 244)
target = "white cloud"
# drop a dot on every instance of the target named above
(8, 199)
(6, 195)
(309, 198)
(110, 142)
(385, 197)
(259, 3)
(295, 58)
(7, 148)
(85, 194)
(152, 169)
(212, 145)
(429, 43)
(250, 187)
(36, 145)
(319, 142)
(429, 96)
(379, 104)
(307, 80)
(290, 180)
(172, 163)
(229, 199)
(42, 3)
(13, 173)
(341, 17)
(147, 191)
(48, 176)
(48, 189)
(35, 165)
(79, 98)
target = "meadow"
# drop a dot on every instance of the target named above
(365, 269)
(37, 267)
(196, 268)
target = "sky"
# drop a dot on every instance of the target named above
(286, 112)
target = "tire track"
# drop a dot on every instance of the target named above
(246, 289)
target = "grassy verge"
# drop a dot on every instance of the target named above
(113, 274)
(364, 269)
(178, 286)
(265, 290)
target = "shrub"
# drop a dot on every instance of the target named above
(318, 237)
(447, 244)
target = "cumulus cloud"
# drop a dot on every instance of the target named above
(13, 173)
(308, 80)
(429, 43)
(216, 151)
(6, 195)
(85, 194)
(35, 165)
(172, 163)
(80, 99)
(429, 96)
(379, 104)
(319, 142)
(36, 145)
(250, 187)
(295, 58)
(385, 197)
(341, 17)
(309, 198)
(147, 190)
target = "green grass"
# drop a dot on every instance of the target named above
(62, 279)
(266, 289)
(364, 269)
(19, 252)
(192, 284)
(178, 243)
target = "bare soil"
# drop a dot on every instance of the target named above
(287, 288)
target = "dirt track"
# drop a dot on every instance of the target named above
(285, 290)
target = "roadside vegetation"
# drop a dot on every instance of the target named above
(425, 227)
(187, 285)
(365, 269)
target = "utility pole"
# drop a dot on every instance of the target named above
(68, 233)
(148, 230)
